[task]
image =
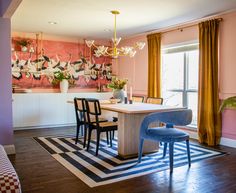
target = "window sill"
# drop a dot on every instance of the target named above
(189, 128)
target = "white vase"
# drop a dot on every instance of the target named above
(118, 94)
(64, 84)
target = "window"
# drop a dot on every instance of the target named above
(180, 77)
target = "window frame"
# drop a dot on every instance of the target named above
(183, 48)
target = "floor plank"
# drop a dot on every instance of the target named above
(40, 173)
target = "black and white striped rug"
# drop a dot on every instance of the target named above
(108, 167)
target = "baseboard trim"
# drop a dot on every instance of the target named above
(223, 141)
(228, 142)
(43, 126)
(10, 149)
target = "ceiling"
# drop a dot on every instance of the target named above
(92, 18)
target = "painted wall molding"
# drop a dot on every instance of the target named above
(224, 95)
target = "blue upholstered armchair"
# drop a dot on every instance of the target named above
(167, 134)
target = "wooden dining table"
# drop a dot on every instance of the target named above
(130, 117)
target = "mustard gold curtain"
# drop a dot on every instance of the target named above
(209, 120)
(154, 65)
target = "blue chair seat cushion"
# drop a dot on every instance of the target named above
(167, 135)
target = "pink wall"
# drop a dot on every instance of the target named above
(227, 71)
(227, 56)
(6, 131)
(135, 69)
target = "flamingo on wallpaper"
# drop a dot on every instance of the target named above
(31, 69)
(16, 71)
(78, 70)
(61, 65)
(107, 71)
(71, 69)
(79, 67)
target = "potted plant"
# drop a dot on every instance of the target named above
(24, 43)
(117, 85)
(228, 103)
(63, 78)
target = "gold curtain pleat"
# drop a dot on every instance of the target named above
(209, 119)
(154, 65)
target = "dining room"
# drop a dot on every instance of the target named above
(117, 97)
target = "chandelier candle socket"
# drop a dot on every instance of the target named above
(114, 51)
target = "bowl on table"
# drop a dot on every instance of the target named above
(114, 101)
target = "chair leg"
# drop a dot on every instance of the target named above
(81, 127)
(98, 140)
(140, 150)
(107, 134)
(89, 138)
(188, 151)
(77, 133)
(82, 130)
(171, 152)
(85, 135)
(110, 139)
(164, 150)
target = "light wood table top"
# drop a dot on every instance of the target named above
(137, 108)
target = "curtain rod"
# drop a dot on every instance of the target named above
(187, 26)
(177, 26)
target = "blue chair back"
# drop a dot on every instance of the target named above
(171, 118)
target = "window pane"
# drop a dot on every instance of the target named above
(173, 98)
(173, 71)
(178, 67)
(192, 104)
(193, 70)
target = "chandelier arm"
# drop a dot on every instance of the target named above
(111, 53)
(115, 30)
(114, 51)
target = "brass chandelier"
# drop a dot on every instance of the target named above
(114, 51)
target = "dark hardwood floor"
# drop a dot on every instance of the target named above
(40, 173)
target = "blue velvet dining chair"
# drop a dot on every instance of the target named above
(167, 134)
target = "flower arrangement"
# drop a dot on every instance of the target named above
(23, 42)
(117, 83)
(58, 76)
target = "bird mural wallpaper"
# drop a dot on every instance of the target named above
(35, 67)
